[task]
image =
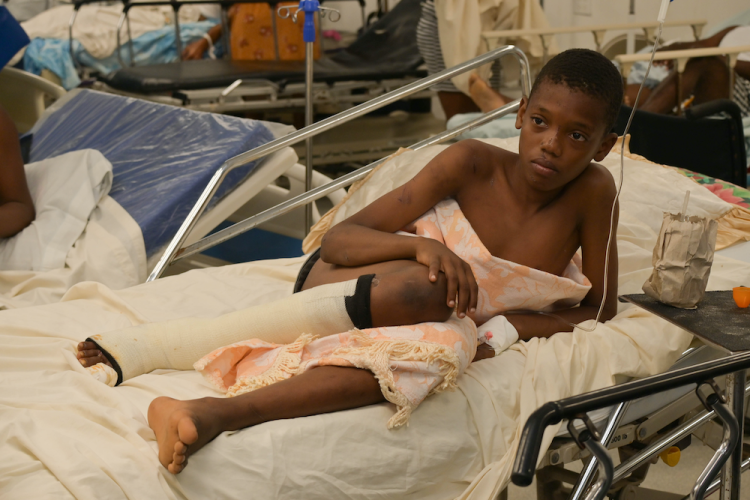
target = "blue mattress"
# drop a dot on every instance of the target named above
(162, 156)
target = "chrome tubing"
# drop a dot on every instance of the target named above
(70, 35)
(309, 58)
(317, 193)
(714, 487)
(588, 473)
(327, 124)
(687, 428)
(120, 21)
(177, 37)
(130, 39)
(606, 470)
(728, 444)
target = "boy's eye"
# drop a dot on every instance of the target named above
(577, 136)
(537, 120)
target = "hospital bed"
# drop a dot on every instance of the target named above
(66, 434)
(162, 157)
(384, 58)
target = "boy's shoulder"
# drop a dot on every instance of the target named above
(594, 187)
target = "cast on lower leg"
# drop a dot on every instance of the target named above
(178, 344)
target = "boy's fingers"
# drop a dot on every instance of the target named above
(473, 289)
(464, 294)
(434, 269)
(450, 273)
(85, 346)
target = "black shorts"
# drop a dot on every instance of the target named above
(308, 265)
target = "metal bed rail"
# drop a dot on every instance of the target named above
(598, 30)
(577, 406)
(174, 250)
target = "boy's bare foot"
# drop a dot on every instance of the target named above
(89, 354)
(181, 429)
(485, 96)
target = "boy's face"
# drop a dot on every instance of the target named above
(562, 131)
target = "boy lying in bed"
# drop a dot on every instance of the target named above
(501, 234)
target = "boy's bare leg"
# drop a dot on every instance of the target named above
(485, 96)
(631, 92)
(401, 294)
(706, 78)
(183, 427)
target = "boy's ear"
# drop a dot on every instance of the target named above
(606, 146)
(521, 111)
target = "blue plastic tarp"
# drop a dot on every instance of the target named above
(162, 156)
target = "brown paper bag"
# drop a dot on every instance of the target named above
(682, 260)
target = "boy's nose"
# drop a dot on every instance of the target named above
(551, 144)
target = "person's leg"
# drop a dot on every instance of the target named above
(706, 78)
(485, 96)
(455, 103)
(401, 294)
(631, 92)
(184, 427)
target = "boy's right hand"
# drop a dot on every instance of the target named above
(461, 283)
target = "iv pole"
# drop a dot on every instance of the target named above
(309, 8)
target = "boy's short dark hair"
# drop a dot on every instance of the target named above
(589, 72)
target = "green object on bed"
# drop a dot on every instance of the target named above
(731, 193)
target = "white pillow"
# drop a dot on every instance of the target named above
(65, 190)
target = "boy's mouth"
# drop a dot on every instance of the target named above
(543, 167)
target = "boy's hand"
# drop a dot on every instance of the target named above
(461, 282)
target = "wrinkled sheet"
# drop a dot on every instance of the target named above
(110, 250)
(96, 24)
(65, 190)
(64, 434)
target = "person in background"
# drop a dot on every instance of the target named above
(16, 206)
(252, 35)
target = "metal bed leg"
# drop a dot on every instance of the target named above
(732, 433)
(70, 36)
(130, 38)
(589, 438)
(177, 39)
(588, 473)
(731, 473)
(225, 32)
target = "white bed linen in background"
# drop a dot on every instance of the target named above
(96, 24)
(65, 190)
(110, 251)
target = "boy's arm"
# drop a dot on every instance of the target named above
(16, 205)
(594, 232)
(367, 236)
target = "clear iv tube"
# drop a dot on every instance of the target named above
(614, 204)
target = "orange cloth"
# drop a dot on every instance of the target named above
(252, 36)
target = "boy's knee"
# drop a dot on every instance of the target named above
(427, 300)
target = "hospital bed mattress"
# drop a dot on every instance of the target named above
(162, 156)
(387, 50)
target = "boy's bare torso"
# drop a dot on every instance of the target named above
(542, 237)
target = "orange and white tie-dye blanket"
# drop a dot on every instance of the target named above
(410, 362)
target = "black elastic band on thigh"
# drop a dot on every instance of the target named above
(358, 305)
(112, 361)
(305, 270)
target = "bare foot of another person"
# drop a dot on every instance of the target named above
(180, 429)
(89, 354)
(485, 96)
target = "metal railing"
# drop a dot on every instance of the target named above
(175, 251)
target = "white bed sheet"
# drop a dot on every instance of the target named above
(64, 435)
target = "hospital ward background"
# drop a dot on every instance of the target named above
(169, 166)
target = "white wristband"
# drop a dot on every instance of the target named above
(498, 333)
(211, 53)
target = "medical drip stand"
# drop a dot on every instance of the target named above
(309, 7)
